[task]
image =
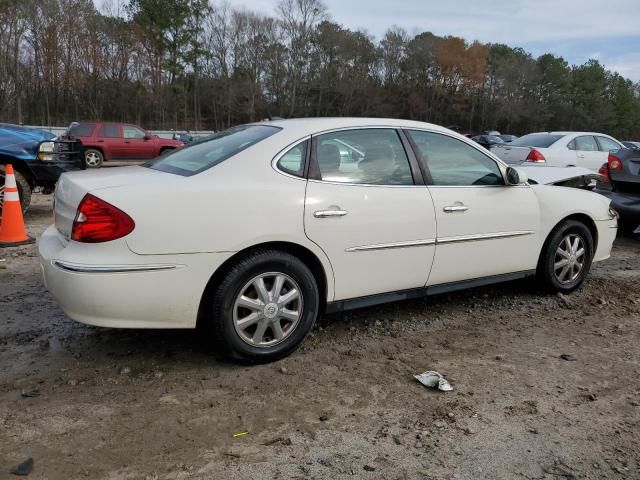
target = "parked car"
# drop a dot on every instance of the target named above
(621, 183)
(508, 138)
(38, 159)
(105, 141)
(632, 145)
(561, 149)
(183, 137)
(488, 141)
(291, 229)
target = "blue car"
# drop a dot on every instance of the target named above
(38, 158)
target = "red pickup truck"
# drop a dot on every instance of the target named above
(118, 141)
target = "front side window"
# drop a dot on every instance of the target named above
(373, 156)
(204, 154)
(607, 145)
(586, 143)
(132, 132)
(109, 130)
(454, 163)
(293, 160)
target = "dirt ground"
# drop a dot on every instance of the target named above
(88, 402)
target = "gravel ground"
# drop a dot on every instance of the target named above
(545, 387)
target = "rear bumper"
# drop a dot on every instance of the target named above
(139, 291)
(626, 204)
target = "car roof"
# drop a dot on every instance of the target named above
(311, 125)
(578, 133)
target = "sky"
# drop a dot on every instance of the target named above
(606, 30)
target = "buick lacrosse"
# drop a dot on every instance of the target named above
(256, 231)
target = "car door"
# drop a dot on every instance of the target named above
(136, 144)
(588, 153)
(110, 140)
(485, 227)
(371, 215)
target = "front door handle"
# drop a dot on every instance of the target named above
(581, 155)
(455, 208)
(329, 213)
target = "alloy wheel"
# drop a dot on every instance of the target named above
(92, 159)
(268, 309)
(570, 258)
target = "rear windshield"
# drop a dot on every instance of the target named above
(204, 154)
(540, 140)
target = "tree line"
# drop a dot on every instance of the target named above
(194, 64)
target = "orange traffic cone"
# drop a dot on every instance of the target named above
(12, 229)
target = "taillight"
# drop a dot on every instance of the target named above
(604, 172)
(98, 221)
(614, 163)
(535, 156)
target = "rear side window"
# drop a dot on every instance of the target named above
(538, 140)
(109, 130)
(369, 156)
(203, 155)
(607, 145)
(292, 162)
(82, 130)
(452, 162)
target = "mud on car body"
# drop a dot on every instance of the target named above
(38, 158)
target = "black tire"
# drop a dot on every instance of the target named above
(547, 275)
(93, 158)
(24, 189)
(219, 313)
(164, 151)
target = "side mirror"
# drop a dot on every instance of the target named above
(515, 176)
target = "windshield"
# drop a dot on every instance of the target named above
(539, 140)
(204, 154)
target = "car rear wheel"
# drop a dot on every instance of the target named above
(93, 158)
(567, 256)
(24, 189)
(264, 307)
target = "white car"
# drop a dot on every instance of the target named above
(255, 232)
(560, 149)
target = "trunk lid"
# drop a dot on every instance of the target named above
(73, 186)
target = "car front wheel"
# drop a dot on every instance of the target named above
(566, 259)
(264, 307)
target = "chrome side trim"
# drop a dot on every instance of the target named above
(483, 236)
(80, 268)
(384, 246)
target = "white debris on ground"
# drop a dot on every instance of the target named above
(433, 379)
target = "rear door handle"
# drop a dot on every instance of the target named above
(455, 208)
(329, 213)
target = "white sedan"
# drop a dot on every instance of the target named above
(560, 149)
(256, 231)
